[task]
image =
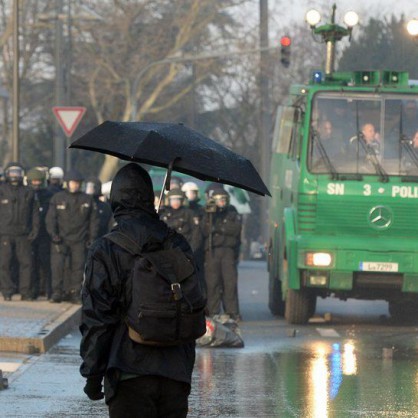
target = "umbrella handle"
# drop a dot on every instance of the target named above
(167, 179)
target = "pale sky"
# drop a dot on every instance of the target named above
(283, 13)
(364, 8)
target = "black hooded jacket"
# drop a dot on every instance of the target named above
(106, 348)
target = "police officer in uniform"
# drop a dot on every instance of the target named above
(73, 224)
(181, 218)
(19, 226)
(41, 246)
(104, 212)
(55, 179)
(191, 190)
(221, 227)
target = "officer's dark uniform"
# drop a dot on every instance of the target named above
(41, 246)
(104, 212)
(72, 223)
(222, 230)
(182, 220)
(19, 226)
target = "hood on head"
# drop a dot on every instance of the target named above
(132, 191)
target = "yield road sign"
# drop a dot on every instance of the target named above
(69, 117)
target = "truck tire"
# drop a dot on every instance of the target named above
(403, 311)
(276, 302)
(312, 305)
(298, 306)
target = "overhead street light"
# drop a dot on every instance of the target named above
(313, 17)
(412, 27)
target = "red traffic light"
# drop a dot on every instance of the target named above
(285, 41)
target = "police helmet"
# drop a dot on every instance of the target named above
(94, 187)
(14, 173)
(175, 194)
(221, 195)
(73, 175)
(191, 190)
(212, 188)
(176, 182)
(56, 173)
(190, 186)
(36, 174)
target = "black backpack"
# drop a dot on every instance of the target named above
(167, 306)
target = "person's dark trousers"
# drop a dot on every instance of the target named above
(67, 265)
(222, 281)
(199, 256)
(74, 277)
(20, 247)
(41, 249)
(150, 397)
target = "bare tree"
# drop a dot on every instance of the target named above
(31, 65)
(126, 63)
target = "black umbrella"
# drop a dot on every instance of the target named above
(176, 147)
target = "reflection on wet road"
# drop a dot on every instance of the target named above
(350, 367)
(332, 380)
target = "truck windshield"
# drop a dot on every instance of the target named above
(364, 134)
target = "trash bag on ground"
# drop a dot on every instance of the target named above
(221, 331)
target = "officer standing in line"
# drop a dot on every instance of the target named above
(41, 246)
(104, 212)
(55, 179)
(181, 219)
(73, 224)
(191, 190)
(19, 226)
(221, 228)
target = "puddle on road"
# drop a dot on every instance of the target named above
(335, 379)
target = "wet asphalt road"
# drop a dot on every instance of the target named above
(358, 364)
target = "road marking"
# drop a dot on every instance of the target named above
(327, 332)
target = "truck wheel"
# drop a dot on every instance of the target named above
(403, 311)
(276, 302)
(312, 305)
(298, 306)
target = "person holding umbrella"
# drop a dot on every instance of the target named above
(139, 380)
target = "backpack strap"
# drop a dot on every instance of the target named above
(124, 241)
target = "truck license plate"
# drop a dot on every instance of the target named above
(379, 266)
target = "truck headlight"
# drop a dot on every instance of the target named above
(318, 259)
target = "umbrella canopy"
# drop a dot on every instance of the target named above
(175, 146)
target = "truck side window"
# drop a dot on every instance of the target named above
(295, 140)
(285, 131)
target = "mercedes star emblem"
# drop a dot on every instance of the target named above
(380, 217)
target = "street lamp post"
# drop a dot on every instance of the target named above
(16, 82)
(60, 142)
(63, 61)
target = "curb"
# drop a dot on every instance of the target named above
(49, 335)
